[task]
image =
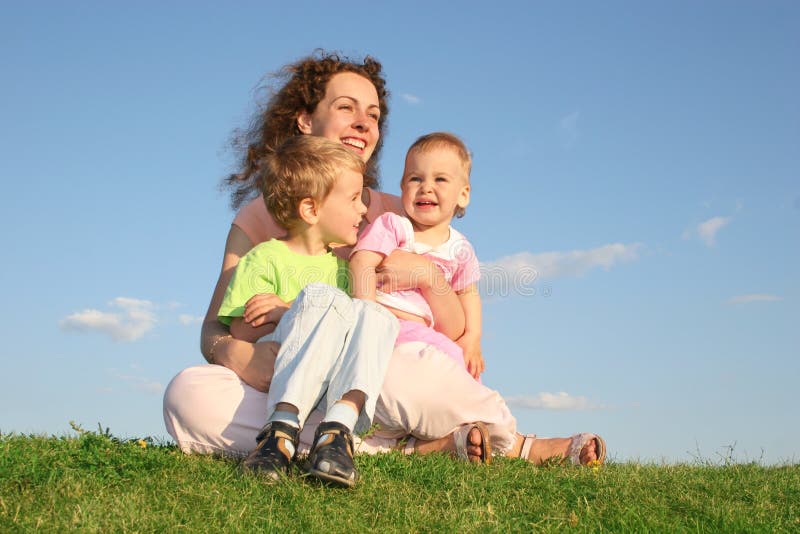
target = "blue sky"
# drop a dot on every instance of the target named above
(642, 158)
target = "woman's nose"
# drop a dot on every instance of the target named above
(361, 121)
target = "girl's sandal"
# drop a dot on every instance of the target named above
(461, 438)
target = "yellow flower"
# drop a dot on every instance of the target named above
(595, 465)
(142, 443)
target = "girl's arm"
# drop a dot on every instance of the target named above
(470, 342)
(406, 270)
(363, 264)
(253, 363)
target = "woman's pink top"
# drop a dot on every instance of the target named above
(257, 223)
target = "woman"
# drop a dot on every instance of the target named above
(220, 408)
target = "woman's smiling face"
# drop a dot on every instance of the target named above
(348, 114)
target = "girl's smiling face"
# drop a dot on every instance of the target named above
(434, 184)
(348, 114)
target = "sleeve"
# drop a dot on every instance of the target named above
(254, 274)
(256, 222)
(469, 269)
(383, 235)
(343, 281)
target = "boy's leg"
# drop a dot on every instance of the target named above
(353, 390)
(364, 360)
(312, 334)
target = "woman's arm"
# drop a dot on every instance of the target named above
(241, 329)
(252, 363)
(406, 270)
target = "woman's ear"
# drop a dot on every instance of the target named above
(308, 210)
(304, 122)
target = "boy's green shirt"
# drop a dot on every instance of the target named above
(271, 267)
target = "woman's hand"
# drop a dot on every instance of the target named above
(253, 363)
(406, 270)
(258, 371)
(403, 270)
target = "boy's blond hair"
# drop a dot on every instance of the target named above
(304, 166)
(440, 140)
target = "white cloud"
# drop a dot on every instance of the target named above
(411, 99)
(552, 401)
(140, 383)
(568, 128)
(519, 271)
(754, 297)
(134, 319)
(188, 320)
(707, 230)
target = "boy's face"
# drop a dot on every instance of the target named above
(340, 213)
(434, 184)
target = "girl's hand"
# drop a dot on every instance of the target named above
(403, 270)
(473, 358)
(264, 308)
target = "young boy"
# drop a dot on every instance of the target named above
(334, 350)
(435, 188)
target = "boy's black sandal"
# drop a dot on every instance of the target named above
(331, 459)
(271, 458)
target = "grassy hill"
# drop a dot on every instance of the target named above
(94, 482)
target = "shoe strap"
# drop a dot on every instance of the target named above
(280, 431)
(527, 443)
(335, 428)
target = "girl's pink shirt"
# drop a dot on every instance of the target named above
(257, 223)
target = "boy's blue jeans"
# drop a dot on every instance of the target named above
(331, 344)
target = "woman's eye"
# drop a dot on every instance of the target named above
(374, 116)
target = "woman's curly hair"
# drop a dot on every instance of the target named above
(305, 83)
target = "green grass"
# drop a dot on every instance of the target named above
(94, 482)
